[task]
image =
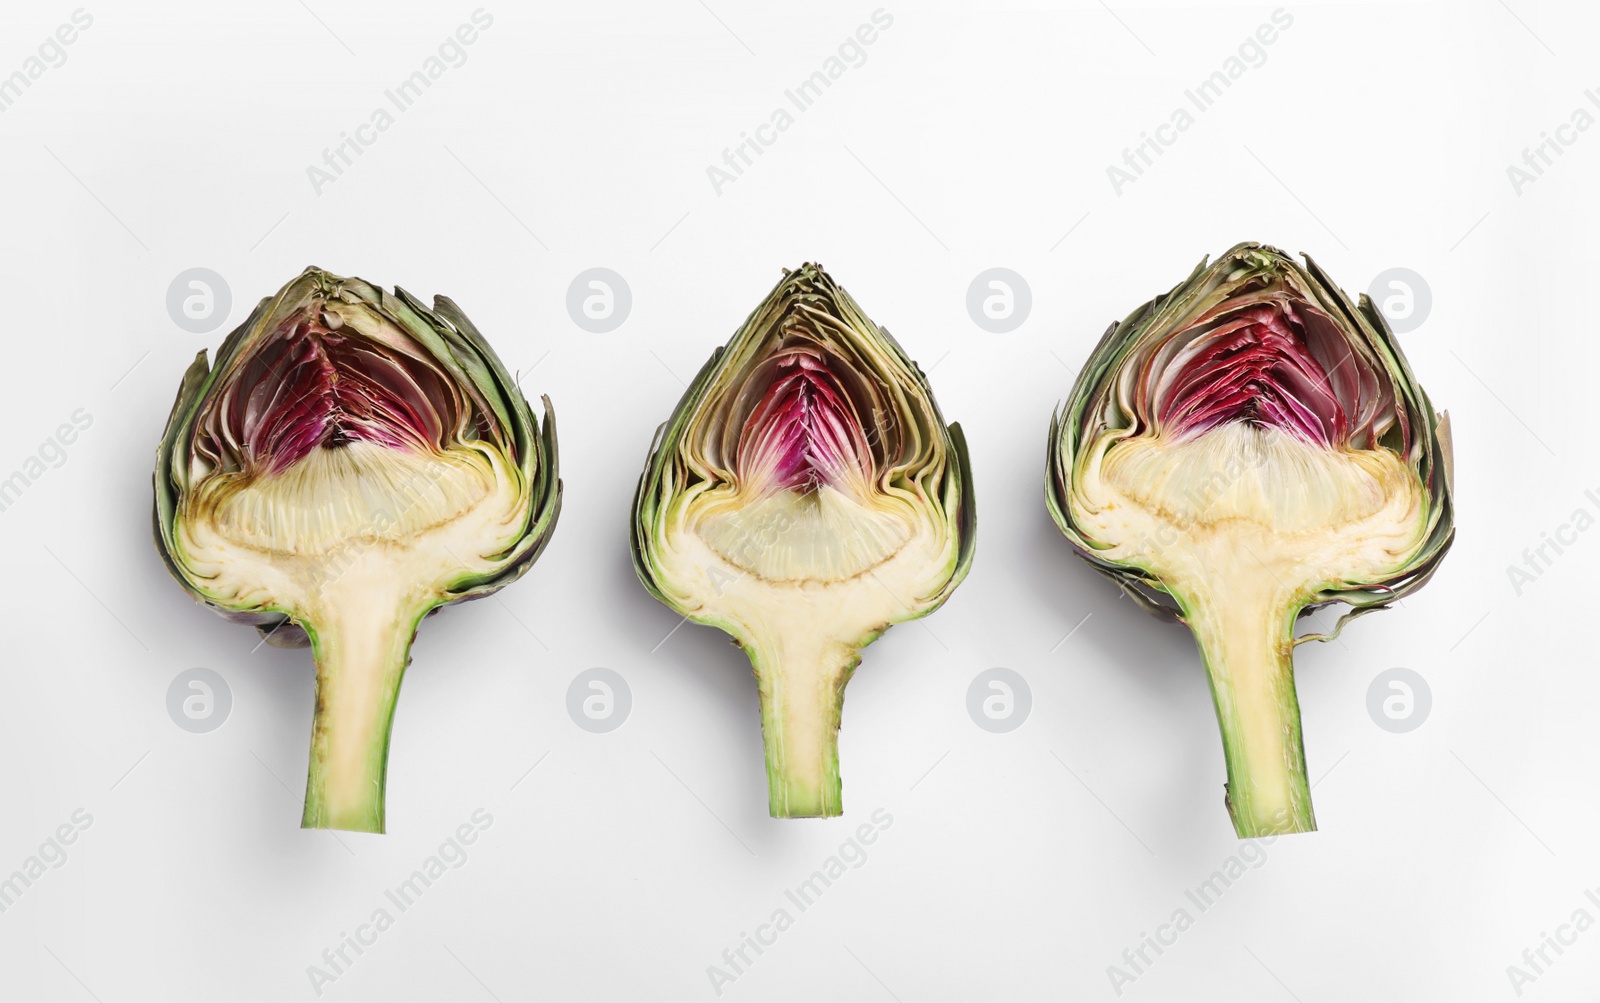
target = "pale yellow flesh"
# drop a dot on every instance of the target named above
(356, 544)
(822, 535)
(802, 581)
(1243, 525)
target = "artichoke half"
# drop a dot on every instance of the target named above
(1244, 449)
(352, 462)
(805, 495)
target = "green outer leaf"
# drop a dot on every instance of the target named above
(452, 340)
(537, 455)
(1091, 405)
(664, 474)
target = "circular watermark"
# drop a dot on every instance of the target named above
(1399, 700)
(199, 700)
(1403, 297)
(599, 700)
(999, 700)
(198, 300)
(999, 300)
(599, 300)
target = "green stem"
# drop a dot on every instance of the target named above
(1247, 642)
(802, 696)
(360, 663)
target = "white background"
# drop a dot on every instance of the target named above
(1376, 135)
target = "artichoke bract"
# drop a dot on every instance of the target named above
(352, 462)
(1242, 450)
(805, 495)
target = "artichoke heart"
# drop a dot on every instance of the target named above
(1244, 449)
(805, 495)
(352, 462)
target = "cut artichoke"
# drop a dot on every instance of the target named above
(353, 462)
(1236, 453)
(804, 496)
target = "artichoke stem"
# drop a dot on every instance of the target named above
(1247, 643)
(360, 662)
(802, 696)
